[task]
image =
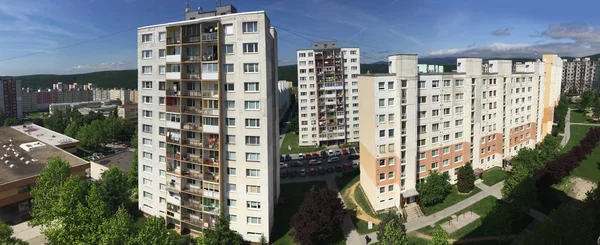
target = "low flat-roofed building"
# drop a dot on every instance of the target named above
(121, 160)
(22, 158)
(48, 136)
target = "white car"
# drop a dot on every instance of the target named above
(333, 159)
(283, 165)
(300, 156)
(314, 162)
(330, 153)
(338, 152)
(355, 165)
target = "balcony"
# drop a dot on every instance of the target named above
(208, 37)
(173, 155)
(211, 178)
(171, 124)
(191, 158)
(173, 75)
(210, 94)
(210, 161)
(173, 186)
(192, 93)
(192, 143)
(192, 204)
(210, 209)
(210, 112)
(192, 58)
(192, 174)
(210, 129)
(191, 39)
(192, 126)
(191, 76)
(192, 110)
(188, 219)
(172, 170)
(174, 108)
(174, 58)
(173, 40)
(196, 190)
(171, 92)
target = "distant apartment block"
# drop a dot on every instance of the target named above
(12, 101)
(129, 111)
(578, 75)
(284, 91)
(208, 120)
(328, 94)
(412, 123)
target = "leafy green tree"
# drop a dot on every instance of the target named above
(587, 100)
(318, 218)
(466, 178)
(57, 122)
(435, 189)
(549, 149)
(6, 233)
(565, 226)
(440, 236)
(93, 136)
(393, 234)
(2, 116)
(154, 232)
(294, 125)
(221, 234)
(116, 189)
(263, 240)
(597, 110)
(389, 217)
(47, 190)
(118, 229)
(132, 175)
(72, 129)
(527, 158)
(11, 122)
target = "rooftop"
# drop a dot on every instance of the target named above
(121, 159)
(45, 135)
(199, 20)
(27, 164)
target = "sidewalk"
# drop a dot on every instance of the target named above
(567, 135)
(352, 236)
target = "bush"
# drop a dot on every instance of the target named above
(466, 178)
(435, 189)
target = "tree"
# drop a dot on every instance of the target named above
(47, 189)
(221, 234)
(466, 178)
(72, 129)
(154, 232)
(393, 234)
(263, 240)
(6, 233)
(549, 149)
(11, 122)
(294, 125)
(587, 100)
(440, 236)
(2, 116)
(389, 217)
(132, 175)
(57, 122)
(118, 229)
(597, 110)
(565, 226)
(319, 218)
(435, 189)
(116, 189)
(93, 136)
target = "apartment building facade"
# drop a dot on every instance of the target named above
(578, 75)
(328, 94)
(11, 102)
(412, 123)
(209, 125)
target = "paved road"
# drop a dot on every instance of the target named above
(567, 135)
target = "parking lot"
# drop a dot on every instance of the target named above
(323, 167)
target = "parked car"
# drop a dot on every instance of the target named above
(312, 172)
(283, 165)
(353, 157)
(314, 162)
(288, 157)
(293, 173)
(315, 155)
(283, 174)
(339, 168)
(345, 151)
(300, 156)
(338, 153)
(330, 153)
(324, 154)
(330, 169)
(333, 159)
(307, 156)
(302, 172)
(125, 144)
(281, 158)
(297, 164)
(347, 166)
(322, 171)
(355, 165)
(352, 151)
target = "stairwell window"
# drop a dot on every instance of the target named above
(250, 48)
(162, 70)
(252, 140)
(253, 173)
(250, 27)
(251, 68)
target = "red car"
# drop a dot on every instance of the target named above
(345, 151)
(283, 173)
(307, 156)
(313, 172)
(315, 155)
(347, 166)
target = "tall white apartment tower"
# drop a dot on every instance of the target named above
(208, 125)
(328, 94)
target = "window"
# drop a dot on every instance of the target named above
(446, 162)
(458, 135)
(458, 83)
(250, 47)
(161, 53)
(254, 189)
(251, 105)
(301, 55)
(458, 159)
(230, 87)
(146, 70)
(422, 142)
(147, 155)
(446, 150)
(390, 101)
(422, 114)
(381, 85)
(253, 205)
(147, 169)
(231, 202)
(162, 145)
(422, 169)
(162, 173)
(422, 84)
(251, 67)
(250, 27)
(230, 155)
(381, 163)
(230, 122)
(251, 87)
(459, 96)
(382, 189)
(252, 157)
(146, 38)
(391, 85)
(446, 98)
(146, 54)
(146, 84)
(391, 133)
(252, 172)
(230, 139)
(434, 140)
(422, 155)
(435, 113)
(381, 102)
(228, 48)
(435, 98)
(446, 124)
(390, 175)
(381, 118)
(391, 117)
(435, 127)
(458, 122)
(232, 171)
(382, 176)
(435, 84)
(230, 105)
(447, 83)
(229, 68)
(458, 109)
(435, 153)
(422, 129)
(434, 165)
(161, 86)
(162, 70)
(228, 29)
(458, 147)
(162, 36)
(147, 195)
(252, 140)
(253, 123)
(423, 99)
(254, 220)
(381, 133)
(232, 187)
(147, 114)
(147, 128)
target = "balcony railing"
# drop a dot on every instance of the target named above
(194, 93)
(206, 37)
(191, 39)
(172, 40)
(210, 112)
(188, 219)
(210, 209)
(174, 108)
(210, 94)
(192, 58)
(192, 110)
(173, 155)
(191, 158)
(173, 140)
(193, 143)
(171, 92)
(210, 161)
(211, 177)
(192, 204)
(194, 190)
(192, 174)
(192, 126)
(190, 76)
(174, 170)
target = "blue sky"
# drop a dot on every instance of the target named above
(507, 28)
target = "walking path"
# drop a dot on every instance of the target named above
(466, 240)
(352, 236)
(565, 139)
(587, 124)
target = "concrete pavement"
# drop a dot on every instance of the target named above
(567, 135)
(587, 124)
(32, 235)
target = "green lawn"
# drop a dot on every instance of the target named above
(577, 134)
(291, 140)
(343, 183)
(590, 167)
(291, 197)
(493, 176)
(412, 240)
(578, 116)
(451, 199)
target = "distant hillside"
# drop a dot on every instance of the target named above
(102, 79)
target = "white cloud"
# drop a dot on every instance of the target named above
(101, 67)
(501, 32)
(577, 32)
(505, 50)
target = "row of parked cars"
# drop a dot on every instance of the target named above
(317, 170)
(315, 155)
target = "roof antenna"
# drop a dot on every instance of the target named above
(219, 3)
(187, 6)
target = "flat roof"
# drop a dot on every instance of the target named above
(194, 21)
(37, 158)
(121, 159)
(377, 74)
(44, 135)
